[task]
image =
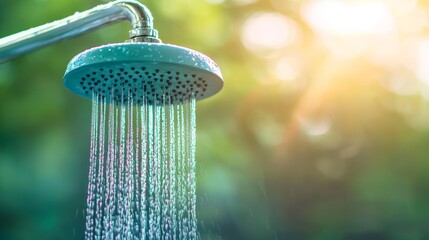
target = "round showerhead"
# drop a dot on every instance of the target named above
(143, 72)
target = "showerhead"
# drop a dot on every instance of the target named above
(144, 73)
(142, 70)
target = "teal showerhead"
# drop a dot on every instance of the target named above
(143, 71)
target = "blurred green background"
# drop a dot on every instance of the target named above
(321, 130)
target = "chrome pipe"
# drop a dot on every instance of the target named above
(80, 23)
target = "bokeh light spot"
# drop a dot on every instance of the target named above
(267, 32)
(216, 1)
(286, 69)
(315, 125)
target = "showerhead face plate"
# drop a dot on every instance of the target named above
(149, 73)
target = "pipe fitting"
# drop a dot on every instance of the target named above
(141, 20)
(79, 23)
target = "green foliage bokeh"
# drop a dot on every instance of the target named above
(259, 175)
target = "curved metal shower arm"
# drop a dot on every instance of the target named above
(80, 23)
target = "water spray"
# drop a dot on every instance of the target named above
(142, 181)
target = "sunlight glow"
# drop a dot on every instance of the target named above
(337, 17)
(423, 62)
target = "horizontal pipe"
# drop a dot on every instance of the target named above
(78, 24)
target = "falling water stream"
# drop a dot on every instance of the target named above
(142, 170)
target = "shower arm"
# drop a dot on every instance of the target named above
(80, 23)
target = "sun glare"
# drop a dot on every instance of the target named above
(423, 62)
(337, 17)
